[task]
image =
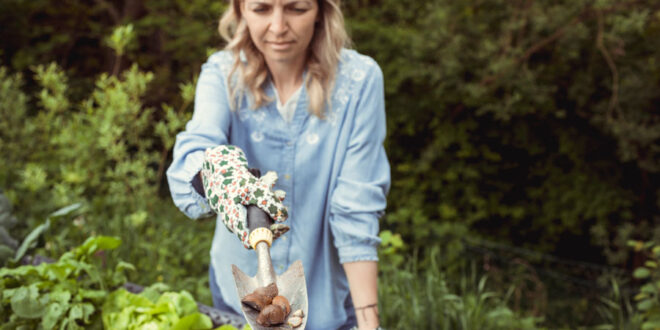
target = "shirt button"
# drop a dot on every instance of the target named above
(283, 238)
(289, 143)
(287, 177)
(280, 267)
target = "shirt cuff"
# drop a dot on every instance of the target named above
(201, 208)
(357, 253)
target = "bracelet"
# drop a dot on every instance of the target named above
(362, 308)
(365, 307)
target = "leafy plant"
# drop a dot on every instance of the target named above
(66, 294)
(153, 309)
(617, 311)
(429, 297)
(648, 298)
(8, 244)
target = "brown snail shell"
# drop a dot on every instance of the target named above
(269, 290)
(256, 301)
(284, 303)
(271, 315)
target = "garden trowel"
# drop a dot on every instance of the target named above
(291, 284)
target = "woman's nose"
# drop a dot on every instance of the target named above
(278, 23)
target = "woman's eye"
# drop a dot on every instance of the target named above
(298, 10)
(260, 9)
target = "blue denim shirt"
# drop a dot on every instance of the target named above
(334, 170)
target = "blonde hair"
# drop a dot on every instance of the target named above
(324, 52)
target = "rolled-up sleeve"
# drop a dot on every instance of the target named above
(359, 198)
(209, 127)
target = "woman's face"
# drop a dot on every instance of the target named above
(281, 29)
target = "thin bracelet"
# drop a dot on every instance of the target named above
(365, 307)
(362, 308)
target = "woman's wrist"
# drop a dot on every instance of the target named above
(367, 316)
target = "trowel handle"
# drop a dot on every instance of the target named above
(256, 217)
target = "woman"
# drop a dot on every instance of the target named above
(294, 101)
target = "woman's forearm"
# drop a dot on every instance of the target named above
(363, 283)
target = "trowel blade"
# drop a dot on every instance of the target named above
(291, 284)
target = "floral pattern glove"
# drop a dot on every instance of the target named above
(229, 187)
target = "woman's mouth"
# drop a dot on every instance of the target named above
(280, 45)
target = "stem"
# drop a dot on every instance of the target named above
(115, 69)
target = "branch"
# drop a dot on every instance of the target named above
(587, 13)
(111, 10)
(614, 100)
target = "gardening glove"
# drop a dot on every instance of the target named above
(230, 186)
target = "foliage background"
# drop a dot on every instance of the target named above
(532, 123)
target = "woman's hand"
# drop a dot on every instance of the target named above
(229, 185)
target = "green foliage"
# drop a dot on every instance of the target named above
(107, 153)
(121, 38)
(431, 297)
(507, 118)
(66, 294)
(648, 298)
(617, 311)
(153, 310)
(8, 244)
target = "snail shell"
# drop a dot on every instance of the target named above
(271, 315)
(284, 303)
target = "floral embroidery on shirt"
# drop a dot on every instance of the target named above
(312, 138)
(257, 136)
(358, 75)
(259, 115)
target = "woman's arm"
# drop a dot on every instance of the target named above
(363, 283)
(359, 198)
(208, 128)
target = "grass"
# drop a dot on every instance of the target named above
(430, 297)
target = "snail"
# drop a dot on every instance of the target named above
(282, 302)
(269, 290)
(256, 301)
(273, 309)
(261, 297)
(271, 315)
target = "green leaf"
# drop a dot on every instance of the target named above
(123, 266)
(30, 239)
(76, 312)
(154, 291)
(53, 314)
(92, 294)
(88, 310)
(227, 327)
(193, 321)
(65, 210)
(645, 304)
(642, 272)
(27, 303)
(651, 325)
(98, 243)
